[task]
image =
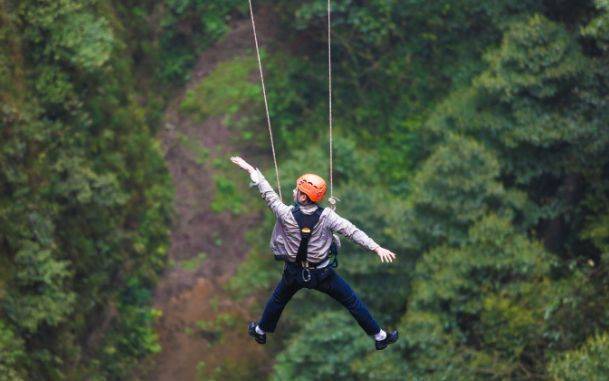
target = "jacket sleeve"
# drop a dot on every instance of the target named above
(269, 195)
(344, 227)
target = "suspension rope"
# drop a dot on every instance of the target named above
(332, 200)
(266, 103)
(331, 154)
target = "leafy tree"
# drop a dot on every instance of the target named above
(12, 355)
(85, 200)
(585, 363)
(597, 28)
(456, 186)
(536, 106)
(51, 303)
(188, 27)
(335, 342)
(477, 312)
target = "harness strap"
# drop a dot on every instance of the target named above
(306, 224)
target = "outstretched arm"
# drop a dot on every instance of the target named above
(266, 190)
(346, 228)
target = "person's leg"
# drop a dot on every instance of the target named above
(276, 303)
(337, 288)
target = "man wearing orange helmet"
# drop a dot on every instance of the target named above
(303, 237)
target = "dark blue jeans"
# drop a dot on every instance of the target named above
(325, 280)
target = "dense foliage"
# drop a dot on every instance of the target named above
(472, 139)
(85, 197)
(85, 205)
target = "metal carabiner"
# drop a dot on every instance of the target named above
(306, 277)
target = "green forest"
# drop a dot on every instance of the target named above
(470, 137)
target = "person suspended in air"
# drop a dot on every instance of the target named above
(304, 237)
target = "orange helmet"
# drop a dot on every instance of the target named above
(312, 185)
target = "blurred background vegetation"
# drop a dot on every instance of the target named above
(472, 139)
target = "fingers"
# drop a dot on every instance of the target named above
(242, 163)
(383, 256)
(238, 160)
(386, 255)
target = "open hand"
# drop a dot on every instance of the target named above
(384, 254)
(242, 163)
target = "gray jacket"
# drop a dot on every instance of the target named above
(286, 234)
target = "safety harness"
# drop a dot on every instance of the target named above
(306, 224)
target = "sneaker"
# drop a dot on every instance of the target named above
(251, 329)
(391, 338)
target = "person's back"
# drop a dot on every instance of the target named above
(303, 236)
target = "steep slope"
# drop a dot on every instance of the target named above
(206, 245)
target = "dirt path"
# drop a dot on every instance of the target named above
(192, 297)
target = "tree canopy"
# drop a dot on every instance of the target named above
(472, 138)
